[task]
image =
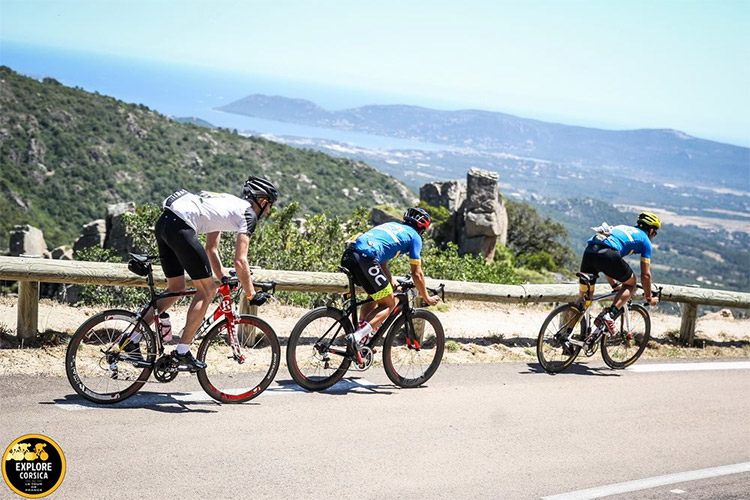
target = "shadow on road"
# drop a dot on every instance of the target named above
(574, 369)
(349, 385)
(175, 402)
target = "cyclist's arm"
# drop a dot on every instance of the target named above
(242, 266)
(387, 271)
(418, 276)
(212, 250)
(646, 281)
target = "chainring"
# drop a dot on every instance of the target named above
(165, 369)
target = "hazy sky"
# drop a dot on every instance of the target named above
(624, 64)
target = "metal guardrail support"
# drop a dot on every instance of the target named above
(102, 273)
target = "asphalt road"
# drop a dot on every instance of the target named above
(476, 431)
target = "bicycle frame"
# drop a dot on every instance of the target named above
(224, 309)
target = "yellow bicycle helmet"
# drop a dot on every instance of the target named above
(648, 219)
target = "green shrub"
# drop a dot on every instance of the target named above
(115, 296)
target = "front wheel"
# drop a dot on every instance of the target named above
(316, 353)
(413, 349)
(553, 350)
(627, 344)
(97, 367)
(238, 376)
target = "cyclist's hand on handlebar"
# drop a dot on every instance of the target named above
(260, 298)
(431, 300)
(652, 301)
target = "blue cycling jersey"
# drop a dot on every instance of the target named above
(389, 240)
(627, 240)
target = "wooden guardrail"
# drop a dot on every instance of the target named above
(30, 272)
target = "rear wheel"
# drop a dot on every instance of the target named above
(231, 377)
(413, 350)
(316, 351)
(633, 333)
(97, 367)
(552, 349)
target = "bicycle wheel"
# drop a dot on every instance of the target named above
(551, 352)
(308, 355)
(232, 379)
(96, 367)
(410, 364)
(626, 346)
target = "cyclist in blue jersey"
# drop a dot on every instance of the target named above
(367, 257)
(604, 253)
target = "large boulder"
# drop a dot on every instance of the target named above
(117, 238)
(450, 195)
(93, 234)
(379, 216)
(27, 240)
(479, 220)
(63, 253)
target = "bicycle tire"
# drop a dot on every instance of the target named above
(409, 367)
(549, 350)
(244, 380)
(623, 349)
(89, 372)
(305, 362)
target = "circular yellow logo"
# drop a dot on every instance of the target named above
(33, 466)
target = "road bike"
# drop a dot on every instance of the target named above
(559, 343)
(242, 352)
(413, 341)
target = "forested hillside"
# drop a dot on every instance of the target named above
(66, 153)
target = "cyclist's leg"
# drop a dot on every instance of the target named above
(183, 242)
(205, 292)
(614, 266)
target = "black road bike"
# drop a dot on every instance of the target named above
(242, 352)
(413, 342)
(569, 329)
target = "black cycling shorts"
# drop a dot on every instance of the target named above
(601, 258)
(179, 248)
(367, 273)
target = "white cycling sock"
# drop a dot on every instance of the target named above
(362, 331)
(183, 348)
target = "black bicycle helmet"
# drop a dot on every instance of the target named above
(259, 188)
(417, 218)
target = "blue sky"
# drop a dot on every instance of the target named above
(625, 64)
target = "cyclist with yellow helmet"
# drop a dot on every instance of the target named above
(604, 253)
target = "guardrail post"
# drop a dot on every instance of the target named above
(246, 331)
(28, 309)
(687, 326)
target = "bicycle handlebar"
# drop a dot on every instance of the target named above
(408, 284)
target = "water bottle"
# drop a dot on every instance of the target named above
(166, 327)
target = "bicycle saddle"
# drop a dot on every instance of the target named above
(586, 278)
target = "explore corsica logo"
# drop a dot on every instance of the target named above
(33, 466)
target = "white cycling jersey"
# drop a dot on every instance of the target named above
(208, 212)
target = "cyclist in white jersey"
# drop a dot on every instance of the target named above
(185, 216)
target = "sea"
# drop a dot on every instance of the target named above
(180, 90)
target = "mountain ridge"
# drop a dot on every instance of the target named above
(650, 153)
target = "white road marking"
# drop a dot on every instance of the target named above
(688, 367)
(146, 399)
(678, 492)
(651, 482)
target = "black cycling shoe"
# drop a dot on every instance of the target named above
(352, 346)
(188, 360)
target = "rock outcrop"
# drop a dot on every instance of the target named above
(27, 240)
(479, 220)
(94, 234)
(116, 236)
